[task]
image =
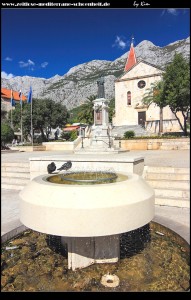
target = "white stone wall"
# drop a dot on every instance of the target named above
(128, 114)
(140, 70)
(6, 105)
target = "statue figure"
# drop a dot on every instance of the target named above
(101, 92)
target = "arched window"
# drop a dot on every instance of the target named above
(128, 98)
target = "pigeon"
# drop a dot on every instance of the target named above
(65, 166)
(51, 167)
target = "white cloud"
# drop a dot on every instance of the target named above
(44, 64)
(171, 11)
(163, 12)
(185, 11)
(31, 62)
(119, 43)
(23, 64)
(6, 76)
(8, 58)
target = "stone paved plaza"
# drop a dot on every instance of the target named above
(175, 218)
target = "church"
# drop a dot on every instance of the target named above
(130, 89)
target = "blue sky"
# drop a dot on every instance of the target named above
(46, 42)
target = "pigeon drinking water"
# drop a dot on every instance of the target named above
(65, 166)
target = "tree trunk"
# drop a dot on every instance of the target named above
(185, 127)
(42, 133)
(161, 121)
(182, 126)
(48, 131)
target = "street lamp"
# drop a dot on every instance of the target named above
(83, 135)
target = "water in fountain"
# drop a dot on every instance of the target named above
(87, 177)
(152, 258)
(90, 233)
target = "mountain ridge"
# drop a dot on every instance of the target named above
(80, 82)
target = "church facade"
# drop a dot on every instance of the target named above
(130, 89)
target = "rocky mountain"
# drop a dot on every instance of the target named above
(80, 82)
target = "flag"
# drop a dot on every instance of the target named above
(29, 100)
(12, 99)
(20, 96)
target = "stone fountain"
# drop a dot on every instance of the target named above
(88, 217)
(101, 216)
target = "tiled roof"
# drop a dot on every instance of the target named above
(131, 61)
(5, 93)
(70, 128)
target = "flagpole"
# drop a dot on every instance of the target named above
(30, 101)
(11, 108)
(21, 119)
(11, 117)
(31, 123)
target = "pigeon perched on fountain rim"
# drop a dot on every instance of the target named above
(65, 166)
(51, 167)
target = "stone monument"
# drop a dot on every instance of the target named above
(101, 129)
(101, 90)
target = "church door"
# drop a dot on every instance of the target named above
(142, 118)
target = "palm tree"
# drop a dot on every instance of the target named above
(111, 109)
(86, 114)
(155, 95)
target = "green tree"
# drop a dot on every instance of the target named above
(111, 109)
(7, 134)
(16, 117)
(46, 114)
(3, 115)
(69, 135)
(155, 95)
(177, 88)
(74, 114)
(86, 114)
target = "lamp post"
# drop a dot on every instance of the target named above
(109, 135)
(83, 135)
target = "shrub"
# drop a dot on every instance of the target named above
(7, 134)
(154, 137)
(69, 136)
(73, 136)
(66, 135)
(129, 134)
(39, 139)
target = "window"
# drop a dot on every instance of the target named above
(128, 98)
(141, 84)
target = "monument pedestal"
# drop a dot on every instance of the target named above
(101, 139)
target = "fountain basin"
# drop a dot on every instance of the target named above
(86, 210)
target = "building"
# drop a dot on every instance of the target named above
(6, 99)
(130, 88)
(6, 105)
